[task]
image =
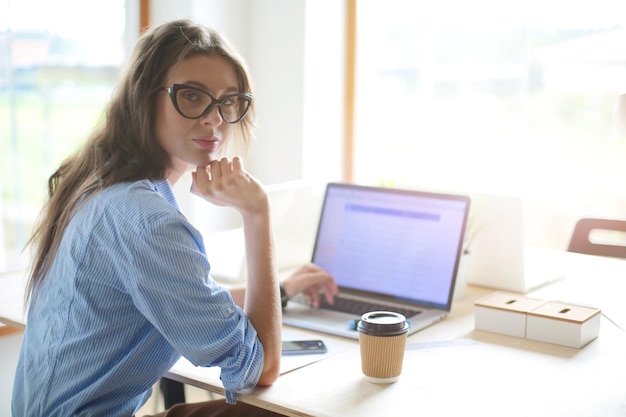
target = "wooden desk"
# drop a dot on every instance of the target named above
(461, 371)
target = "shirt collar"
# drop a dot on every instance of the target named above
(164, 188)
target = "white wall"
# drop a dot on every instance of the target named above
(324, 84)
(2, 245)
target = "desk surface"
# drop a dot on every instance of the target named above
(456, 370)
(453, 369)
(12, 311)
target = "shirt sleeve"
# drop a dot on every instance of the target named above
(169, 281)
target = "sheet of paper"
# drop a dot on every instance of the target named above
(291, 362)
(184, 368)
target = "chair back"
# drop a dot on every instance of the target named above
(582, 240)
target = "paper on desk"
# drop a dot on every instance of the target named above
(442, 343)
(189, 372)
(292, 362)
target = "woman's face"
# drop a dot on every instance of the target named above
(195, 141)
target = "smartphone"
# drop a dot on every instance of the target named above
(303, 347)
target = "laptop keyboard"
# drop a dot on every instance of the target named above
(359, 307)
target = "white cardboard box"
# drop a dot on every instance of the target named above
(563, 324)
(503, 312)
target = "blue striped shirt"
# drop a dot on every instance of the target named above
(129, 292)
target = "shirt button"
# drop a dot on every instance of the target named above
(231, 311)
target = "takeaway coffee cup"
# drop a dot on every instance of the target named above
(382, 339)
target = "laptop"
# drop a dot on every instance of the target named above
(388, 249)
(499, 258)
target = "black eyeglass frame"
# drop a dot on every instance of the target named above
(174, 89)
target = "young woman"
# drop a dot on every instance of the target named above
(120, 285)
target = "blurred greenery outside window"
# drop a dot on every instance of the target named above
(495, 96)
(56, 74)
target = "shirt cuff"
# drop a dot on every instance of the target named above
(231, 397)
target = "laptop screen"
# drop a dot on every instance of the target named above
(400, 243)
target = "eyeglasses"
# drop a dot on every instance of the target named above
(194, 103)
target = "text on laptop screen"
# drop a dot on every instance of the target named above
(401, 243)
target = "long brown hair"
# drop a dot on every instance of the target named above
(123, 147)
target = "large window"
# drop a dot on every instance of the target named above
(56, 73)
(495, 96)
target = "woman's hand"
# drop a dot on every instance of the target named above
(310, 280)
(226, 183)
